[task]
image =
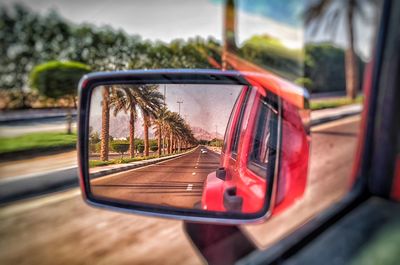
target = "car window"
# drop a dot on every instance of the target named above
(229, 127)
(323, 47)
(307, 53)
(264, 139)
(238, 125)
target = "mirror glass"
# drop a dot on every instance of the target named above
(189, 146)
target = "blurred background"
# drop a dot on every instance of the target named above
(47, 46)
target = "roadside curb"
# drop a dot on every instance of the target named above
(38, 114)
(31, 153)
(25, 188)
(137, 165)
(355, 110)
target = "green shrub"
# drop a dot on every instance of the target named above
(140, 148)
(120, 147)
(56, 79)
(153, 146)
(304, 82)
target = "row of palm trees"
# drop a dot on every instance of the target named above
(172, 132)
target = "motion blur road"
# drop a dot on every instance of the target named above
(61, 229)
(177, 182)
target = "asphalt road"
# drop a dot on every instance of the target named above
(62, 229)
(177, 182)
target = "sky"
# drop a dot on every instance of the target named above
(167, 20)
(204, 106)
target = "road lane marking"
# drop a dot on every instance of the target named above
(194, 173)
(335, 123)
(189, 187)
(195, 167)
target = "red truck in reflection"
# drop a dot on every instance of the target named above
(264, 133)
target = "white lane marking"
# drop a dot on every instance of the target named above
(195, 167)
(194, 173)
(189, 187)
(335, 123)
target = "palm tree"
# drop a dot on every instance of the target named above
(124, 98)
(330, 12)
(105, 124)
(178, 131)
(150, 102)
(160, 128)
(229, 41)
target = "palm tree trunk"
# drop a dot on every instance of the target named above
(350, 56)
(69, 115)
(146, 134)
(69, 121)
(132, 135)
(105, 125)
(170, 144)
(159, 140)
(229, 42)
(163, 144)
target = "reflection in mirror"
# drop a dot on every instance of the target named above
(181, 145)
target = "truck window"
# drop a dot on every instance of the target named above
(264, 142)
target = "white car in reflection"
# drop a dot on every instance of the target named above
(203, 151)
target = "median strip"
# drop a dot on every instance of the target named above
(119, 168)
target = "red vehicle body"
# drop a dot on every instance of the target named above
(245, 185)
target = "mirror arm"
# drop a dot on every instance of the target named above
(211, 240)
(221, 173)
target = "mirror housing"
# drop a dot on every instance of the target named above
(224, 199)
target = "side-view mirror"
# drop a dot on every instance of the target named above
(199, 145)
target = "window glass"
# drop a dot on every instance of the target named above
(231, 117)
(238, 126)
(320, 51)
(323, 50)
(264, 139)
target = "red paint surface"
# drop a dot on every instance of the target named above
(396, 180)
(292, 177)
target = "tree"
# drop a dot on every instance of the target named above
(160, 128)
(57, 79)
(271, 54)
(150, 102)
(140, 148)
(28, 39)
(153, 146)
(125, 98)
(179, 132)
(120, 147)
(330, 12)
(105, 123)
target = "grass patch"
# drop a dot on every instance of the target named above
(99, 163)
(37, 141)
(334, 103)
